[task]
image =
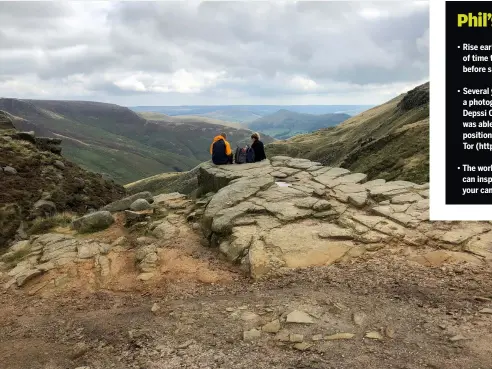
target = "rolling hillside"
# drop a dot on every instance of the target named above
(284, 123)
(111, 139)
(390, 141)
(245, 114)
(187, 119)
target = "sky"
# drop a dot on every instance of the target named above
(214, 53)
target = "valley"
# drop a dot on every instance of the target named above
(245, 114)
(116, 141)
(389, 141)
(132, 145)
(285, 124)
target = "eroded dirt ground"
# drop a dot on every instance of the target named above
(196, 315)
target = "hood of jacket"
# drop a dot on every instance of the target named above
(217, 138)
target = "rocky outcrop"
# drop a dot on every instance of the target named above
(39, 183)
(269, 217)
(126, 203)
(5, 121)
(50, 251)
(291, 213)
(182, 182)
(415, 98)
(49, 144)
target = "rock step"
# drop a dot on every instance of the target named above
(290, 213)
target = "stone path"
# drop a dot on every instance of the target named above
(291, 213)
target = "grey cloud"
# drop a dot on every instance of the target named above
(22, 10)
(260, 46)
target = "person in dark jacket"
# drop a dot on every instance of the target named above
(221, 150)
(258, 147)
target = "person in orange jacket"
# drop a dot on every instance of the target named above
(221, 150)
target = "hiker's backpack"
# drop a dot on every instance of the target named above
(244, 155)
(241, 155)
(250, 155)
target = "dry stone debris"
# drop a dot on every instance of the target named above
(302, 346)
(339, 336)
(374, 335)
(295, 337)
(251, 335)
(272, 327)
(300, 317)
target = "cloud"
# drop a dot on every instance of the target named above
(165, 53)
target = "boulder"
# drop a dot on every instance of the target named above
(9, 170)
(25, 277)
(107, 177)
(87, 250)
(25, 136)
(59, 164)
(124, 204)
(49, 144)
(44, 208)
(79, 183)
(166, 231)
(139, 205)
(5, 121)
(93, 222)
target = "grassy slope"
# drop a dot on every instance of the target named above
(111, 139)
(284, 123)
(37, 175)
(187, 119)
(389, 141)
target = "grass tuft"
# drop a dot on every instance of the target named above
(43, 225)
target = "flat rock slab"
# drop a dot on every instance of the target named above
(299, 317)
(298, 245)
(295, 213)
(441, 257)
(328, 177)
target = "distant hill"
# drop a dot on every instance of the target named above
(248, 113)
(112, 139)
(187, 119)
(390, 141)
(284, 123)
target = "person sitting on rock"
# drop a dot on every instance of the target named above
(258, 147)
(221, 150)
